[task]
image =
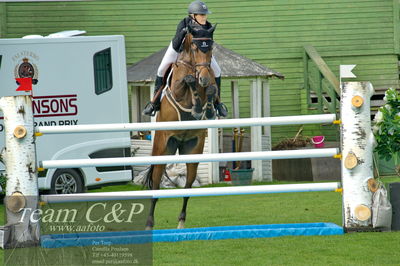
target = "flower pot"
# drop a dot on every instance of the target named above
(318, 141)
(241, 177)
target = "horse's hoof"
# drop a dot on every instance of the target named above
(148, 228)
(210, 114)
(181, 225)
(197, 116)
(190, 80)
(211, 90)
(197, 109)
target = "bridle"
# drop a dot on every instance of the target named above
(201, 104)
(197, 65)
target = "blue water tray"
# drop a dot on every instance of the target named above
(202, 233)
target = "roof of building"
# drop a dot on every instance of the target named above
(232, 65)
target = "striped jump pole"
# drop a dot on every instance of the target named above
(22, 183)
(357, 145)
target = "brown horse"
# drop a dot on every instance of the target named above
(190, 96)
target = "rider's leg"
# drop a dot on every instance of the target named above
(154, 105)
(219, 106)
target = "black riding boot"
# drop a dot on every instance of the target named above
(221, 108)
(154, 105)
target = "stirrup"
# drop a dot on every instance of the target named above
(222, 110)
(150, 109)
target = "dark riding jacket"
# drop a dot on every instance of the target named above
(181, 31)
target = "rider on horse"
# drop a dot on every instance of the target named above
(197, 17)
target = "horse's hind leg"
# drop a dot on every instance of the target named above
(191, 169)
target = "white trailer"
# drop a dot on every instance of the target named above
(76, 80)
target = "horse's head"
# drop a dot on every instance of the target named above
(199, 44)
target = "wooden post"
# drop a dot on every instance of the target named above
(135, 103)
(267, 164)
(19, 157)
(256, 104)
(266, 103)
(213, 169)
(235, 99)
(357, 167)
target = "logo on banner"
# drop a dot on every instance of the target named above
(26, 68)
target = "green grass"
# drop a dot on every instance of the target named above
(349, 249)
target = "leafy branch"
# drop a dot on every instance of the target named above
(386, 128)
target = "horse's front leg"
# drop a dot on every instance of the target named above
(191, 169)
(193, 146)
(197, 110)
(211, 94)
(163, 145)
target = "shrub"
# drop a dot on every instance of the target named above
(386, 128)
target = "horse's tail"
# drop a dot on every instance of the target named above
(148, 180)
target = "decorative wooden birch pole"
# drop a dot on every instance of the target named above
(19, 157)
(356, 143)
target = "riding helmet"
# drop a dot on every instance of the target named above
(198, 7)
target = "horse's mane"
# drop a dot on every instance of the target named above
(187, 42)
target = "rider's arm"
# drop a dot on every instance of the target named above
(180, 34)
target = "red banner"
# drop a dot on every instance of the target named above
(25, 84)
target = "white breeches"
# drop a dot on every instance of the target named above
(171, 56)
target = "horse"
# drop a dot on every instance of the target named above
(190, 96)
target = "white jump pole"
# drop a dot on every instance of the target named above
(242, 122)
(193, 192)
(357, 167)
(192, 158)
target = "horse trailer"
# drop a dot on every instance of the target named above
(75, 80)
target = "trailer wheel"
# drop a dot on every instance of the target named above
(66, 181)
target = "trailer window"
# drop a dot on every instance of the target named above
(102, 71)
(112, 153)
(0, 60)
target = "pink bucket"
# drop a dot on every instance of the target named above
(318, 141)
